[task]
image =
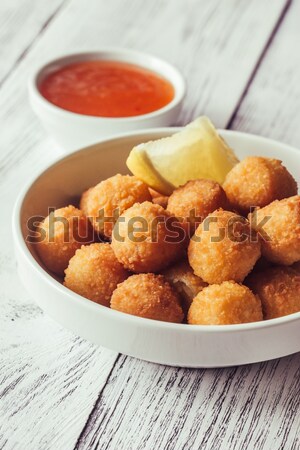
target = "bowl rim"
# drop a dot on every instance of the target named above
(19, 241)
(174, 77)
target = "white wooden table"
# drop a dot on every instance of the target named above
(241, 60)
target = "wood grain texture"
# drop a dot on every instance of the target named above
(211, 42)
(148, 406)
(49, 379)
(21, 22)
(271, 106)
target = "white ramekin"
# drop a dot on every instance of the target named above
(72, 130)
(166, 343)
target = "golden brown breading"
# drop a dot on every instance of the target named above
(195, 200)
(223, 248)
(258, 181)
(281, 232)
(60, 235)
(149, 296)
(181, 276)
(154, 247)
(111, 198)
(225, 304)
(278, 289)
(94, 272)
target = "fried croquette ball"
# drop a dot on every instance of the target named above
(158, 198)
(195, 200)
(223, 248)
(60, 235)
(278, 289)
(94, 272)
(149, 296)
(145, 239)
(225, 304)
(103, 203)
(279, 226)
(185, 282)
(258, 181)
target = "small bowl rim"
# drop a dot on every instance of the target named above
(176, 79)
(139, 321)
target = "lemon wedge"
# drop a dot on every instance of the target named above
(195, 152)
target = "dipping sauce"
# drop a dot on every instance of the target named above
(107, 89)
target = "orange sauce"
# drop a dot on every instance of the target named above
(107, 89)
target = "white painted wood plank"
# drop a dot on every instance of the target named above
(49, 378)
(272, 105)
(213, 43)
(210, 43)
(21, 22)
(156, 407)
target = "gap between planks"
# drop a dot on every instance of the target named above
(259, 62)
(96, 404)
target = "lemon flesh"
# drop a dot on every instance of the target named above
(195, 152)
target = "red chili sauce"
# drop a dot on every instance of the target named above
(107, 89)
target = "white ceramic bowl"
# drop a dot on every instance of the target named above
(72, 130)
(161, 342)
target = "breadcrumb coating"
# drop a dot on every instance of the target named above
(278, 289)
(223, 248)
(149, 296)
(281, 232)
(195, 200)
(139, 273)
(181, 276)
(111, 198)
(154, 247)
(258, 181)
(94, 272)
(225, 304)
(61, 234)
